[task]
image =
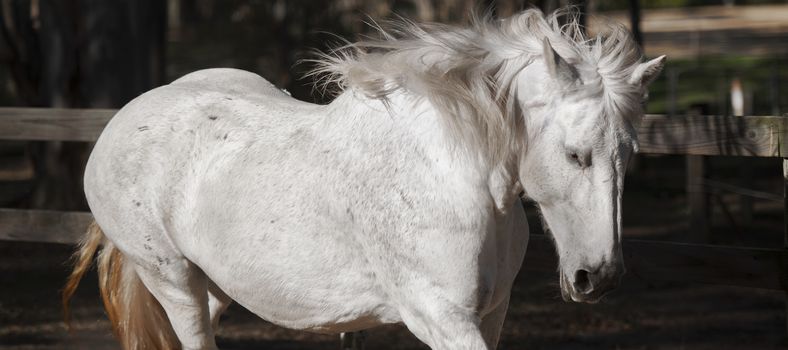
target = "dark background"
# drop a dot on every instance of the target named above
(101, 54)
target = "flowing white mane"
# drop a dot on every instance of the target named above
(468, 73)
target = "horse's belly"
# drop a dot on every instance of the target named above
(314, 285)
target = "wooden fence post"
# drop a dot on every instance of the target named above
(352, 340)
(785, 230)
(697, 200)
(740, 101)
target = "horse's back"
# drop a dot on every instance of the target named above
(154, 148)
(231, 81)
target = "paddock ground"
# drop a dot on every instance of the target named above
(634, 317)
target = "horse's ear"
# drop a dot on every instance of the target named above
(646, 72)
(557, 66)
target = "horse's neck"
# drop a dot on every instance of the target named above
(401, 114)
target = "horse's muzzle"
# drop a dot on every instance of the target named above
(590, 287)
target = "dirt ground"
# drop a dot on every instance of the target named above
(636, 316)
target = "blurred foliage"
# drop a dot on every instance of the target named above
(704, 83)
(270, 37)
(615, 5)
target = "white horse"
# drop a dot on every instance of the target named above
(399, 202)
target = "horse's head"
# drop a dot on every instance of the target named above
(580, 136)
(504, 93)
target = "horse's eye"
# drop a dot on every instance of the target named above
(582, 159)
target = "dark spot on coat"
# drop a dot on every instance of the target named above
(143, 128)
(147, 247)
(272, 221)
(213, 117)
(225, 136)
(405, 198)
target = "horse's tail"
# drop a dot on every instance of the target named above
(137, 318)
(82, 258)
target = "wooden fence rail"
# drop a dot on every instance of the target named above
(46, 226)
(53, 124)
(758, 136)
(761, 136)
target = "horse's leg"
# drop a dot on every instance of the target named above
(217, 304)
(182, 290)
(492, 324)
(443, 326)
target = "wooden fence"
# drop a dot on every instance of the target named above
(760, 136)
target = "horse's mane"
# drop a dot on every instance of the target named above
(467, 73)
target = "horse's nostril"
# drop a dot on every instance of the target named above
(582, 282)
